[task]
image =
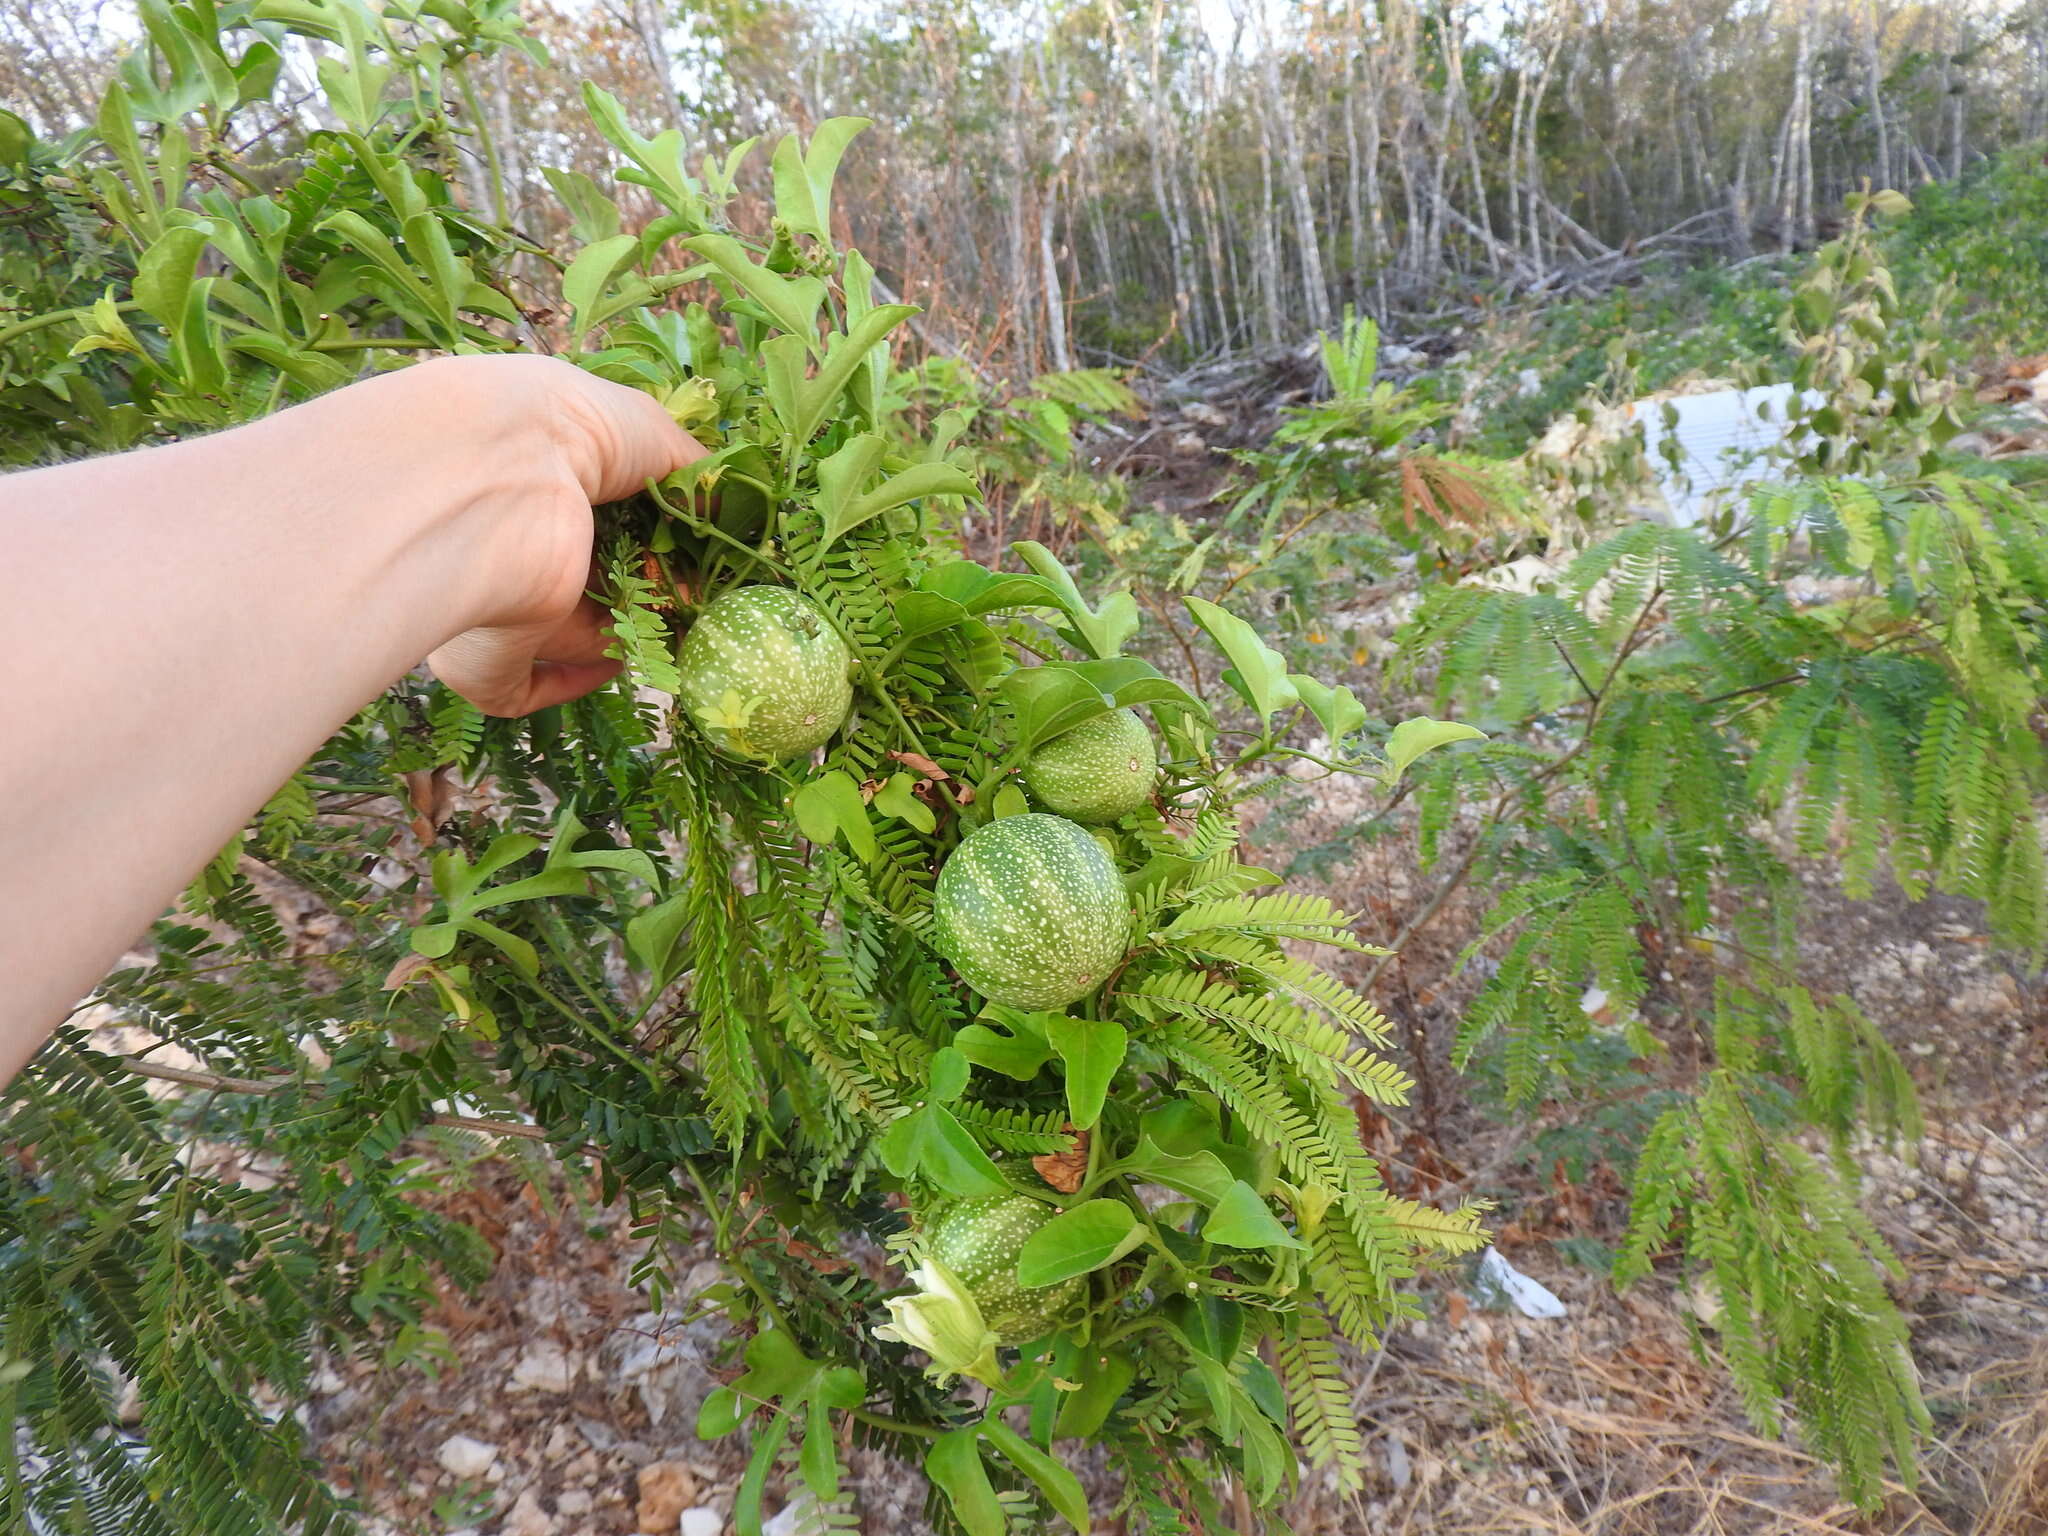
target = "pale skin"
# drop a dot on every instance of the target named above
(186, 624)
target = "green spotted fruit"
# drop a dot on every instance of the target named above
(763, 675)
(978, 1240)
(1031, 911)
(1101, 769)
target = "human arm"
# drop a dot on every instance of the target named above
(184, 625)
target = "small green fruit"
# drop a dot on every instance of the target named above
(1031, 912)
(763, 675)
(1101, 769)
(978, 1240)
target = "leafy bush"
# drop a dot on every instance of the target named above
(719, 973)
(674, 935)
(1982, 238)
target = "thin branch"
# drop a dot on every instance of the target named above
(1567, 655)
(1456, 878)
(265, 1086)
(1736, 693)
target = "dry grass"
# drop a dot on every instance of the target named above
(2019, 1506)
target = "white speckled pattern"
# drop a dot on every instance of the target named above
(978, 1240)
(763, 674)
(1101, 769)
(1031, 912)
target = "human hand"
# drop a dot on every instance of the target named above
(556, 441)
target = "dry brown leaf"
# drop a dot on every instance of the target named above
(1064, 1171)
(650, 568)
(824, 1263)
(403, 972)
(921, 764)
(432, 795)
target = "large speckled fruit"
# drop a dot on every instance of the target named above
(763, 674)
(978, 1241)
(1031, 911)
(1098, 771)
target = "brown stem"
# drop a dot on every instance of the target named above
(1457, 876)
(269, 1085)
(1187, 652)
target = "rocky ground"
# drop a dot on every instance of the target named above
(568, 1409)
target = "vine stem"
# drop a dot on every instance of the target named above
(707, 527)
(893, 1426)
(58, 317)
(489, 142)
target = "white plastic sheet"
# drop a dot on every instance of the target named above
(1723, 441)
(1500, 1280)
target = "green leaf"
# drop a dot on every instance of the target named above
(930, 1143)
(1219, 1389)
(1049, 699)
(1061, 1488)
(918, 481)
(1059, 695)
(722, 1412)
(1212, 1324)
(654, 937)
(1200, 1174)
(1411, 738)
(15, 139)
(782, 376)
(954, 1466)
(592, 271)
(948, 1075)
(1182, 1127)
(793, 302)
(895, 799)
(830, 805)
(1257, 672)
(564, 854)
(746, 1502)
(980, 590)
(1020, 1054)
(595, 216)
(843, 474)
(1104, 1377)
(843, 355)
(775, 1367)
(818, 1459)
(925, 613)
(554, 882)
(1335, 709)
(1092, 1234)
(522, 954)
(1100, 631)
(1262, 1387)
(503, 853)
(1091, 1050)
(165, 274)
(953, 1159)
(660, 159)
(803, 177)
(1268, 1459)
(1242, 1220)
(1010, 801)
